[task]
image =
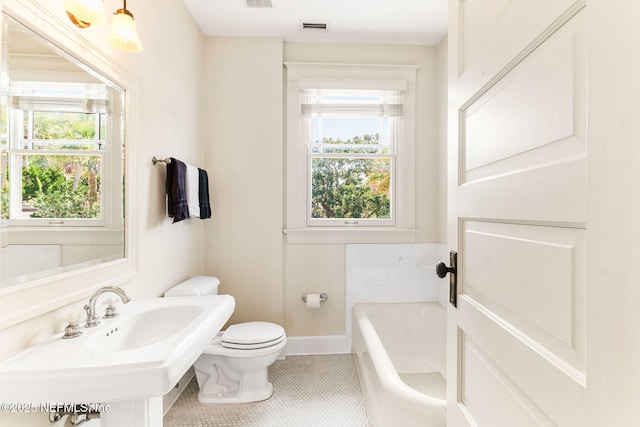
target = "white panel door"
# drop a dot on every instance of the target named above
(518, 198)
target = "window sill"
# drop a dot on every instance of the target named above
(328, 235)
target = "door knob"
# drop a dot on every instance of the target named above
(442, 270)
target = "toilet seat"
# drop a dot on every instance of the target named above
(253, 346)
(252, 335)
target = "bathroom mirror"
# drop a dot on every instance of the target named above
(66, 138)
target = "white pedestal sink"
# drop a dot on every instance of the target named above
(124, 365)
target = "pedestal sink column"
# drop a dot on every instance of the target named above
(133, 413)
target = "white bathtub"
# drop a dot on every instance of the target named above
(400, 353)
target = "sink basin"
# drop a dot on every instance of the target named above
(143, 328)
(141, 353)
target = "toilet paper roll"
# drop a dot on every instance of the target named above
(313, 300)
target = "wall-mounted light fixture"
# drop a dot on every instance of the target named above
(83, 13)
(124, 34)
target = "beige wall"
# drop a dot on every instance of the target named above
(243, 151)
(314, 268)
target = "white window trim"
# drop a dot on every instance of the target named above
(349, 76)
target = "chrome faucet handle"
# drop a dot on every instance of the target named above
(72, 330)
(111, 311)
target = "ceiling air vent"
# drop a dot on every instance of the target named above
(264, 4)
(314, 26)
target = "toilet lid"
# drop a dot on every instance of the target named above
(252, 335)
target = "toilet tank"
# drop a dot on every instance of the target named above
(194, 287)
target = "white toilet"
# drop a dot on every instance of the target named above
(233, 368)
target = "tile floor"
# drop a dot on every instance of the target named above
(309, 391)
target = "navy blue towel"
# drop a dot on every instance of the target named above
(203, 194)
(177, 207)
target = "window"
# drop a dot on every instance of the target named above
(56, 157)
(350, 153)
(350, 138)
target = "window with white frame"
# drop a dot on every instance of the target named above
(56, 157)
(350, 153)
(350, 139)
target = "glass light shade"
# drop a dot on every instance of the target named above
(124, 35)
(85, 11)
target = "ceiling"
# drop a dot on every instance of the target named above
(411, 22)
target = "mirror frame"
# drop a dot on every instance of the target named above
(31, 299)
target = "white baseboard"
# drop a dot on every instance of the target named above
(333, 344)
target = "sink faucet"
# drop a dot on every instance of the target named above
(92, 318)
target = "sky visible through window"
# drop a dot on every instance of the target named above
(348, 127)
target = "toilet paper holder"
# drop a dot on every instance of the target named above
(323, 297)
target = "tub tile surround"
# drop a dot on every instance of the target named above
(394, 273)
(381, 273)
